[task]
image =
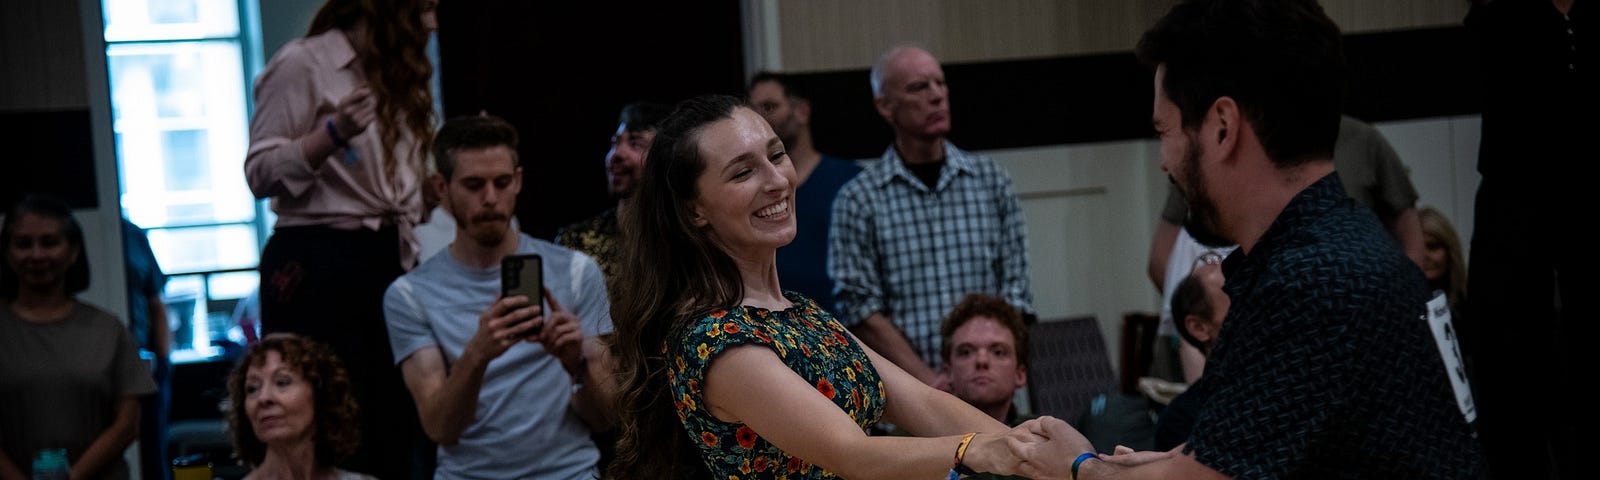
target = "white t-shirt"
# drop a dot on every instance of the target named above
(1185, 251)
(524, 427)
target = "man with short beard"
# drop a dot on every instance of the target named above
(491, 372)
(1327, 366)
(803, 263)
(598, 236)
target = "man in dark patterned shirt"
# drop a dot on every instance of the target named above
(1326, 366)
(597, 236)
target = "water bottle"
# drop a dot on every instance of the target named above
(51, 464)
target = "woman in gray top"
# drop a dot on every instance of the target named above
(70, 376)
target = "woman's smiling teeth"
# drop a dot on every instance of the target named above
(775, 209)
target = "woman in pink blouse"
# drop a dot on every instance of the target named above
(343, 124)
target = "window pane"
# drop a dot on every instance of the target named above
(138, 20)
(234, 285)
(179, 120)
(205, 248)
(191, 336)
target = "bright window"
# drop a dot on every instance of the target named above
(177, 78)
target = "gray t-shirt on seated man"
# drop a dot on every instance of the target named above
(523, 427)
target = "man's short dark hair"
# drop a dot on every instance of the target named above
(471, 132)
(785, 81)
(643, 116)
(1189, 298)
(981, 305)
(1280, 60)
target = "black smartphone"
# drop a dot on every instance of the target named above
(523, 274)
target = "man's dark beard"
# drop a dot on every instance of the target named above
(1201, 222)
(1203, 234)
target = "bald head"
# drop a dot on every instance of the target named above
(909, 93)
(882, 68)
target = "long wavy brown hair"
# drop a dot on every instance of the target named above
(673, 274)
(336, 435)
(395, 61)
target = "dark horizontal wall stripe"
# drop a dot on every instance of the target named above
(51, 152)
(1413, 74)
(1097, 98)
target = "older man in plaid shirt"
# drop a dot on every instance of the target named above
(925, 226)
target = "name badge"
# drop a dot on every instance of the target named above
(1444, 334)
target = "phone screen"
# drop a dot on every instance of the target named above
(523, 275)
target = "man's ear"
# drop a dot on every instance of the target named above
(1200, 328)
(881, 103)
(1224, 115)
(441, 189)
(1022, 376)
(802, 108)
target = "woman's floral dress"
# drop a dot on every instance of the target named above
(810, 341)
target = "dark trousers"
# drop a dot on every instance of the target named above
(328, 284)
(153, 461)
(1529, 271)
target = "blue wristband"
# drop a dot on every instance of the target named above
(1079, 461)
(333, 134)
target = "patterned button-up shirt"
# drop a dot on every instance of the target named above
(910, 252)
(1325, 366)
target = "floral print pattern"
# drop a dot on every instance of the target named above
(811, 342)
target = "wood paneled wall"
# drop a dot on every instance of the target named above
(41, 56)
(826, 35)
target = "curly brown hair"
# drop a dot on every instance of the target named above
(395, 60)
(980, 305)
(336, 435)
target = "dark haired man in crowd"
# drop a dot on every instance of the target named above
(1326, 367)
(803, 263)
(598, 236)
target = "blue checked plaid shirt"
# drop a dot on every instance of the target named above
(911, 253)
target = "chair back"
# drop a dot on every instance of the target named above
(1069, 366)
(1138, 348)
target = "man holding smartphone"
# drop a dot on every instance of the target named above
(506, 384)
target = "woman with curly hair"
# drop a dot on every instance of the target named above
(292, 414)
(343, 123)
(721, 373)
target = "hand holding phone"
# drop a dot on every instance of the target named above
(523, 274)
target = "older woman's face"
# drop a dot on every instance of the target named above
(747, 188)
(39, 251)
(278, 401)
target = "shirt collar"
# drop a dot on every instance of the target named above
(333, 48)
(894, 166)
(1304, 209)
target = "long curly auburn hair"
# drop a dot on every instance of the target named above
(395, 61)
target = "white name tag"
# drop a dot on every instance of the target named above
(1445, 335)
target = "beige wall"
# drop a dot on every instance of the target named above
(824, 35)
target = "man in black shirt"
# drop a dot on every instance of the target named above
(1526, 328)
(1326, 366)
